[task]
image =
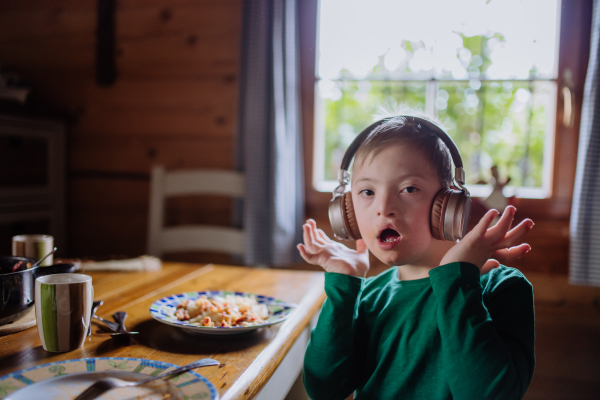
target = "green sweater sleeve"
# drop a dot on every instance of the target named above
(488, 349)
(332, 358)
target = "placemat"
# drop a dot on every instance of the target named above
(25, 322)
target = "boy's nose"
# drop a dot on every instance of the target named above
(386, 213)
(387, 206)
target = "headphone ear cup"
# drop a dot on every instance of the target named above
(458, 214)
(438, 213)
(349, 217)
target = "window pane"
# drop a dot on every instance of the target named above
(348, 107)
(486, 67)
(502, 123)
(499, 39)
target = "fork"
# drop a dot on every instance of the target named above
(107, 384)
(95, 306)
(112, 325)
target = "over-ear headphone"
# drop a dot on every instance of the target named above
(450, 210)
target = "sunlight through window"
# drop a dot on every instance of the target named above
(486, 68)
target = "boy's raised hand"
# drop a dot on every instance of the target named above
(487, 247)
(318, 249)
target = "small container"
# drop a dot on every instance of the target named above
(33, 246)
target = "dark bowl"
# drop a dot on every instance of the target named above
(17, 284)
(8, 263)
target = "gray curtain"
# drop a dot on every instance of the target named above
(585, 214)
(269, 146)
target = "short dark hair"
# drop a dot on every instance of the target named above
(396, 131)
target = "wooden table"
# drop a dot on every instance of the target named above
(247, 361)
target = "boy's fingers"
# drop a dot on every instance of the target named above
(512, 253)
(313, 235)
(323, 238)
(302, 250)
(361, 246)
(483, 224)
(498, 231)
(314, 231)
(304, 254)
(489, 265)
(306, 233)
(319, 235)
(516, 233)
(309, 241)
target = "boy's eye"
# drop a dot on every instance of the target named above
(367, 192)
(411, 189)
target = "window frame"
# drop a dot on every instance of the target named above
(575, 27)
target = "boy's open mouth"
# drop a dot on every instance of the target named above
(389, 236)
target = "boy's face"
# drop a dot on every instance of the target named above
(392, 197)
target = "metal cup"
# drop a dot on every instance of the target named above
(33, 246)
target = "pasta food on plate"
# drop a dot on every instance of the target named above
(228, 311)
(220, 312)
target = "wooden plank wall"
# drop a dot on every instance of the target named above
(173, 103)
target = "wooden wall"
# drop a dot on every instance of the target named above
(173, 103)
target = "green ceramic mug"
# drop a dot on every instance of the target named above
(63, 304)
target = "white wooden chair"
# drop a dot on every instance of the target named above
(196, 237)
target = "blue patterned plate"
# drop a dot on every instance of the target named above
(66, 379)
(164, 309)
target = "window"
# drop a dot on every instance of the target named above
(551, 213)
(487, 68)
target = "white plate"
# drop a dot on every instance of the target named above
(66, 379)
(163, 310)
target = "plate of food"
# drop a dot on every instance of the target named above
(220, 312)
(67, 379)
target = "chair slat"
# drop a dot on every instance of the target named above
(218, 182)
(203, 238)
(192, 237)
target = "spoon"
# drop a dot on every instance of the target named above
(43, 258)
(106, 384)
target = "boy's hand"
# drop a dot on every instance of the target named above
(488, 247)
(318, 249)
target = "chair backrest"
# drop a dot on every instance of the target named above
(197, 237)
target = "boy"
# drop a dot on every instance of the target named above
(448, 322)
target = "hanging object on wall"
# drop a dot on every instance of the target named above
(106, 69)
(496, 199)
(11, 89)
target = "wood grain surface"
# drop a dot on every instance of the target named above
(173, 103)
(247, 360)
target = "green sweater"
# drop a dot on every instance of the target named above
(454, 335)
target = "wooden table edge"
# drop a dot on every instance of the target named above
(251, 382)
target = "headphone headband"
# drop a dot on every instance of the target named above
(410, 121)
